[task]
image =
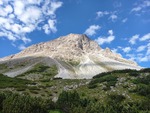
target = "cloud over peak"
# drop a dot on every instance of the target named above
(109, 39)
(126, 49)
(92, 30)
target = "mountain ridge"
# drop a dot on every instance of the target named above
(84, 57)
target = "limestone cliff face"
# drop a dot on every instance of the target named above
(90, 57)
(72, 46)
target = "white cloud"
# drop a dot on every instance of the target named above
(28, 29)
(8, 35)
(113, 17)
(148, 52)
(119, 47)
(144, 59)
(131, 57)
(22, 47)
(54, 7)
(109, 39)
(110, 32)
(145, 37)
(126, 49)
(18, 7)
(50, 27)
(141, 48)
(145, 4)
(102, 13)
(31, 15)
(4, 11)
(148, 49)
(92, 30)
(142, 56)
(114, 50)
(1, 2)
(3, 21)
(46, 29)
(26, 40)
(11, 16)
(8, 9)
(124, 20)
(20, 17)
(133, 39)
(34, 1)
(16, 28)
(102, 40)
(141, 6)
(50, 7)
(136, 9)
(51, 24)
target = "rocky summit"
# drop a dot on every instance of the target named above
(76, 57)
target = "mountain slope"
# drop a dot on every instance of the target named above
(76, 57)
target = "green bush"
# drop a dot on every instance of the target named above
(144, 105)
(13, 82)
(135, 74)
(142, 80)
(102, 74)
(68, 100)
(15, 103)
(143, 90)
(115, 71)
(145, 70)
(2, 98)
(92, 86)
(42, 69)
(116, 98)
(110, 79)
(111, 83)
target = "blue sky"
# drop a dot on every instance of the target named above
(121, 25)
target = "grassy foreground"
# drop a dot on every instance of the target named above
(124, 91)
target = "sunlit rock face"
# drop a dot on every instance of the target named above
(76, 57)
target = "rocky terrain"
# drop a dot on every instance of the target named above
(76, 57)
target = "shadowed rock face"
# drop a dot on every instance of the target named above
(75, 55)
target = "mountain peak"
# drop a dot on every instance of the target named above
(71, 46)
(76, 56)
(108, 50)
(74, 34)
(75, 37)
(77, 41)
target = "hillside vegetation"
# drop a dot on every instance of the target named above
(121, 91)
